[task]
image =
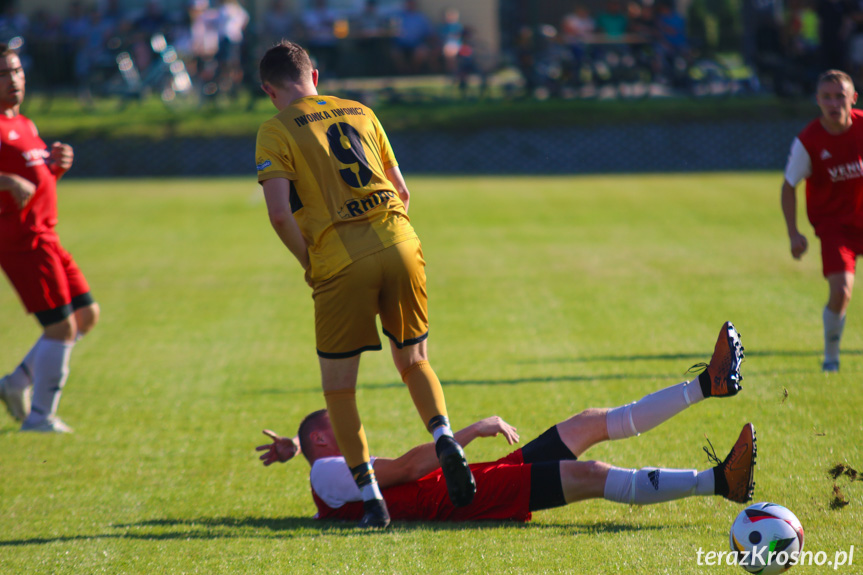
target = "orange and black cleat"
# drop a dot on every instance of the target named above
(735, 476)
(722, 376)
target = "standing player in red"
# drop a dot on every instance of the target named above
(544, 473)
(45, 276)
(828, 154)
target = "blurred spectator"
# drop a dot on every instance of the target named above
(766, 28)
(75, 25)
(832, 16)
(450, 33)
(12, 22)
(411, 44)
(576, 30)
(43, 45)
(14, 30)
(153, 20)
(75, 29)
(112, 13)
(233, 20)
(612, 21)
(804, 26)
(650, 51)
(803, 45)
(278, 23)
(577, 26)
(320, 40)
(672, 45)
(205, 45)
(467, 65)
(371, 31)
(93, 61)
(855, 40)
(371, 22)
(525, 58)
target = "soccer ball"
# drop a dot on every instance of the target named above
(767, 538)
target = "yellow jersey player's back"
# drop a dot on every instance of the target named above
(335, 154)
(337, 199)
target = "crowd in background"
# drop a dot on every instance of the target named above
(219, 45)
(637, 41)
(786, 41)
(793, 41)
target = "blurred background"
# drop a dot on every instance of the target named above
(485, 86)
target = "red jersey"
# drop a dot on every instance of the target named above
(23, 153)
(502, 492)
(834, 189)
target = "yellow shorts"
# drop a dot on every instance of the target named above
(390, 283)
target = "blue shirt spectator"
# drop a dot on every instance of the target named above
(414, 28)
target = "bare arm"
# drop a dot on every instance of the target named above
(799, 243)
(20, 188)
(422, 460)
(394, 175)
(277, 195)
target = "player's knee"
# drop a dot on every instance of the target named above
(87, 317)
(583, 479)
(407, 357)
(840, 297)
(63, 330)
(594, 470)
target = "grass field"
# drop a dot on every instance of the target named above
(548, 295)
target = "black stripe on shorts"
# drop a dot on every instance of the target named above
(347, 354)
(547, 447)
(58, 314)
(82, 300)
(401, 344)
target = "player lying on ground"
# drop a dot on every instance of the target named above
(544, 473)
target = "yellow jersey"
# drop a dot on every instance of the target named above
(335, 154)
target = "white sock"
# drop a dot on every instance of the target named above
(654, 485)
(651, 410)
(833, 326)
(441, 430)
(50, 370)
(22, 376)
(371, 491)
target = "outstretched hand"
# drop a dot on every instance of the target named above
(282, 449)
(494, 425)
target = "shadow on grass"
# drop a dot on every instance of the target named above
(681, 356)
(304, 527)
(579, 378)
(499, 381)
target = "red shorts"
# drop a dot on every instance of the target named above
(46, 277)
(502, 492)
(839, 250)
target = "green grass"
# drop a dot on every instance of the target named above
(66, 118)
(547, 295)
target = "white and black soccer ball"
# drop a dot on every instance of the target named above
(767, 538)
